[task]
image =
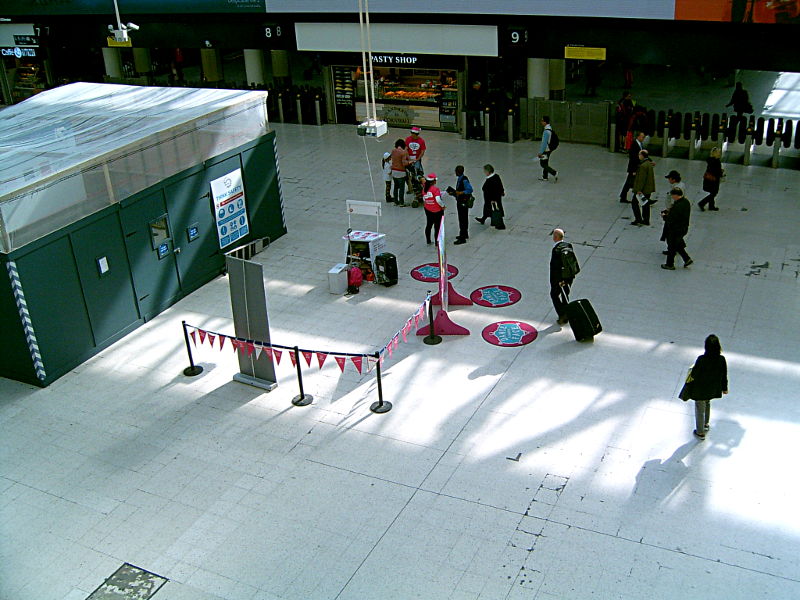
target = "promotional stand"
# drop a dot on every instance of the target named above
(442, 324)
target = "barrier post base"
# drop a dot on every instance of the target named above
(380, 407)
(193, 371)
(303, 400)
(255, 381)
(443, 325)
(432, 340)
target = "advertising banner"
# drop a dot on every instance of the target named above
(230, 208)
(739, 11)
(443, 279)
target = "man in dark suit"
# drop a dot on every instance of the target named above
(677, 221)
(633, 164)
(559, 287)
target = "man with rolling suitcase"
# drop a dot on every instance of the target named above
(579, 313)
(563, 268)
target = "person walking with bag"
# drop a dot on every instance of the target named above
(711, 180)
(563, 268)
(707, 380)
(493, 192)
(464, 199)
(548, 145)
(637, 145)
(434, 206)
(644, 185)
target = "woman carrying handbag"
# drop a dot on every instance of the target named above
(493, 192)
(711, 180)
(707, 379)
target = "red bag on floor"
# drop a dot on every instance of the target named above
(354, 280)
(628, 140)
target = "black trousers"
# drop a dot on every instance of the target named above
(623, 195)
(641, 215)
(559, 295)
(676, 245)
(487, 209)
(544, 162)
(463, 219)
(710, 200)
(433, 220)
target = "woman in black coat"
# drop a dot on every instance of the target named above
(711, 179)
(493, 192)
(709, 380)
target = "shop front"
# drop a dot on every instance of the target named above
(423, 90)
(23, 68)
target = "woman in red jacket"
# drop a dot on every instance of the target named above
(434, 206)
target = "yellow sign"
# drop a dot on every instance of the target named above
(584, 53)
(112, 43)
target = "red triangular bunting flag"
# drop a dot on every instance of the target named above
(321, 356)
(211, 338)
(250, 348)
(277, 354)
(202, 335)
(194, 339)
(406, 329)
(357, 362)
(341, 360)
(390, 349)
(222, 339)
(235, 344)
(307, 356)
(416, 321)
(268, 350)
(294, 359)
(382, 359)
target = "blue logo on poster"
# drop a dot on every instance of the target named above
(239, 203)
(221, 212)
(509, 333)
(231, 209)
(495, 296)
(223, 230)
(241, 220)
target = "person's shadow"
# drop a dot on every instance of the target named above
(658, 480)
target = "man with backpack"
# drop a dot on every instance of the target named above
(563, 268)
(549, 144)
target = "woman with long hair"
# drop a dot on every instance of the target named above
(434, 206)
(709, 381)
(400, 161)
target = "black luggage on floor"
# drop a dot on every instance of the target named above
(583, 320)
(386, 264)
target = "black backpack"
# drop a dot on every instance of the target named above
(569, 262)
(553, 140)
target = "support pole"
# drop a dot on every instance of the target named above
(299, 110)
(486, 124)
(431, 339)
(280, 108)
(317, 110)
(776, 150)
(380, 406)
(665, 140)
(192, 370)
(692, 140)
(302, 399)
(510, 126)
(612, 137)
(748, 147)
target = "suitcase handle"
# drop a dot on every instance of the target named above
(565, 292)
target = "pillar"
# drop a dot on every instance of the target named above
(141, 60)
(538, 78)
(558, 79)
(280, 63)
(212, 64)
(112, 59)
(254, 66)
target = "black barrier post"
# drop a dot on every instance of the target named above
(303, 399)
(192, 369)
(380, 406)
(317, 110)
(431, 339)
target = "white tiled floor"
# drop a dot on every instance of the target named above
(233, 493)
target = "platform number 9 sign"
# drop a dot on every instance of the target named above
(519, 36)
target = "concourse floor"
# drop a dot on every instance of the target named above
(549, 471)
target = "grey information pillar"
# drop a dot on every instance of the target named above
(250, 320)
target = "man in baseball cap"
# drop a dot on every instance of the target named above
(416, 150)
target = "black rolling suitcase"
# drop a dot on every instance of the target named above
(582, 319)
(386, 264)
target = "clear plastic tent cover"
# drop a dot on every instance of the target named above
(72, 151)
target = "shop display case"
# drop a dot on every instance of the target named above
(28, 81)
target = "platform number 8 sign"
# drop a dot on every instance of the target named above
(273, 31)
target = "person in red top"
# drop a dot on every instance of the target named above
(434, 206)
(416, 150)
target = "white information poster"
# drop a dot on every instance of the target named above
(230, 208)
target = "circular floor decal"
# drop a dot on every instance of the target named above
(495, 296)
(509, 333)
(430, 272)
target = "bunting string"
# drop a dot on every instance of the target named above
(361, 361)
